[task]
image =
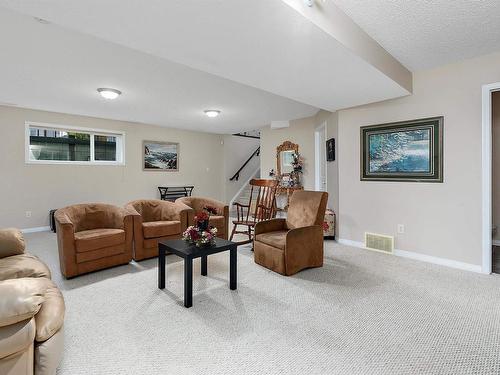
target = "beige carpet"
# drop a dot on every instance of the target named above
(362, 313)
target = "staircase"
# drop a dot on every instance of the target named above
(243, 196)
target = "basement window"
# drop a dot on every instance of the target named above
(56, 144)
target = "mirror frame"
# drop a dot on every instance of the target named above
(285, 146)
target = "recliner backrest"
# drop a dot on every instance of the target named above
(306, 208)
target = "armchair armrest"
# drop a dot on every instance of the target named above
(240, 204)
(270, 226)
(21, 299)
(11, 242)
(184, 213)
(304, 246)
(65, 230)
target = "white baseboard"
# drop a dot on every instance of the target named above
(36, 229)
(421, 257)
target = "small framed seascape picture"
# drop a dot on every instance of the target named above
(160, 156)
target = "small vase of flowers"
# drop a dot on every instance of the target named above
(202, 218)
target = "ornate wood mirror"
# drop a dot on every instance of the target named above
(284, 157)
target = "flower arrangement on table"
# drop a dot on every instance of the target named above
(298, 166)
(297, 163)
(198, 237)
(199, 233)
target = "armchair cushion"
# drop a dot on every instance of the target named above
(21, 299)
(50, 318)
(94, 239)
(22, 265)
(11, 242)
(275, 239)
(155, 229)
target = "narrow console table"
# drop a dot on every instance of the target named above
(171, 193)
(189, 252)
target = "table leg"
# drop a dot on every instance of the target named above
(161, 268)
(204, 265)
(188, 282)
(232, 267)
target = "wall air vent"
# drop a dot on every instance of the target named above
(378, 242)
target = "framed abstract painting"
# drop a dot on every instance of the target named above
(160, 156)
(403, 151)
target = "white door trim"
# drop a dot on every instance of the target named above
(487, 175)
(318, 184)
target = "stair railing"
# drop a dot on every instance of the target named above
(237, 174)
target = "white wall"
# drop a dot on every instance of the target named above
(441, 219)
(300, 132)
(38, 188)
(332, 167)
(236, 151)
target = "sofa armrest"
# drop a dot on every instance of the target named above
(50, 318)
(21, 299)
(11, 242)
(270, 226)
(16, 338)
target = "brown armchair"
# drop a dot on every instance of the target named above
(156, 220)
(93, 236)
(289, 245)
(219, 221)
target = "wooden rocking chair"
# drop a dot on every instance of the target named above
(262, 208)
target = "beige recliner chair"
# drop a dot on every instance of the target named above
(31, 311)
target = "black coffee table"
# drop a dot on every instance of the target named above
(189, 252)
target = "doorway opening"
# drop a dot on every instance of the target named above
(495, 183)
(491, 178)
(320, 158)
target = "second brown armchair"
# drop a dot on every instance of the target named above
(289, 245)
(156, 220)
(220, 220)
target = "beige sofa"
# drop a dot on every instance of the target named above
(31, 311)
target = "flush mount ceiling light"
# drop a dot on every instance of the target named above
(41, 20)
(109, 93)
(212, 112)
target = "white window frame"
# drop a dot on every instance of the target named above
(120, 146)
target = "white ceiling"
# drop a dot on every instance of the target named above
(264, 44)
(423, 34)
(50, 68)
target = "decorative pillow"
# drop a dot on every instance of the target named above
(11, 242)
